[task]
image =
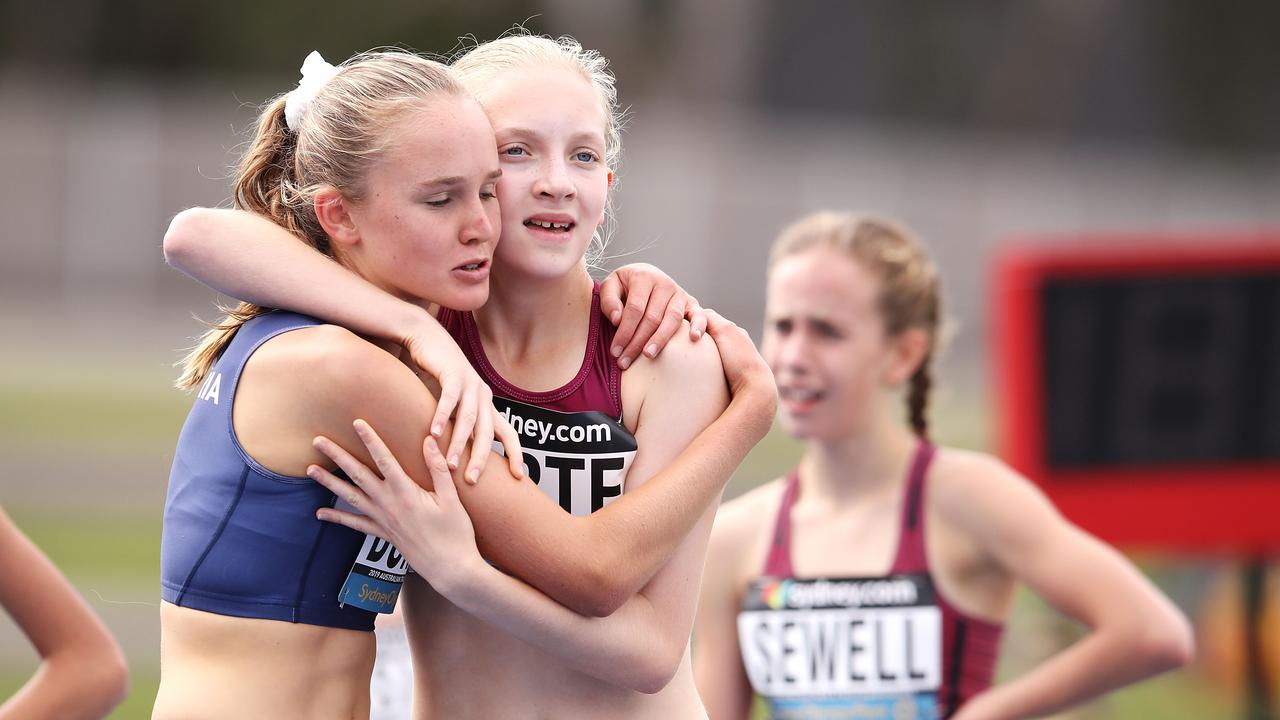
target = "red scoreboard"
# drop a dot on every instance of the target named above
(1138, 382)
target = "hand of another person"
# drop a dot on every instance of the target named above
(647, 307)
(462, 390)
(431, 529)
(743, 365)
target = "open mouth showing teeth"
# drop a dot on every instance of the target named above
(473, 266)
(799, 395)
(547, 225)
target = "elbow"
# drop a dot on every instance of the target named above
(100, 677)
(655, 670)
(603, 598)
(1170, 644)
(182, 239)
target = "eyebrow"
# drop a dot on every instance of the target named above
(455, 180)
(580, 136)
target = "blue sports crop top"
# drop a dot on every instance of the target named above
(239, 539)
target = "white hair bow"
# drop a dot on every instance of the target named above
(315, 73)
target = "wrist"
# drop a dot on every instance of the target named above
(462, 581)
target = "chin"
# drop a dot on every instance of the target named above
(464, 299)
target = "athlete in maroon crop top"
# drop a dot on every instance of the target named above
(855, 615)
(575, 445)
(962, 647)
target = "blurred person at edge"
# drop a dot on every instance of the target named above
(82, 672)
(894, 562)
(627, 572)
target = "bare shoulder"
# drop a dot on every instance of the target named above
(683, 361)
(329, 360)
(748, 516)
(981, 494)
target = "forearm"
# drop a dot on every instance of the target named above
(637, 534)
(630, 648)
(250, 258)
(68, 687)
(1097, 664)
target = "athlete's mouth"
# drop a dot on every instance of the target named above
(472, 266)
(801, 395)
(555, 226)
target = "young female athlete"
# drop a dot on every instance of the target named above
(873, 580)
(418, 207)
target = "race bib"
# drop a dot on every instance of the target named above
(856, 648)
(578, 459)
(375, 578)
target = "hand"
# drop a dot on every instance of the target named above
(651, 314)
(431, 529)
(743, 366)
(462, 389)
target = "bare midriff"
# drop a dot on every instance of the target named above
(465, 668)
(218, 666)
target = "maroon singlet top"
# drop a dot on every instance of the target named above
(575, 446)
(969, 645)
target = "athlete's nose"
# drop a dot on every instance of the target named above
(553, 180)
(479, 227)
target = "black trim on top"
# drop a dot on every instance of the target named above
(217, 534)
(957, 657)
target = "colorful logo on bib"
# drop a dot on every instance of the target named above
(774, 595)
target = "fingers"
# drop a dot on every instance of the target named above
(386, 463)
(482, 441)
(510, 445)
(441, 478)
(359, 523)
(465, 421)
(611, 297)
(347, 491)
(451, 387)
(359, 473)
(697, 319)
(632, 315)
(672, 318)
(659, 311)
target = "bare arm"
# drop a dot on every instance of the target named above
(82, 672)
(246, 256)
(717, 660)
(1135, 632)
(251, 258)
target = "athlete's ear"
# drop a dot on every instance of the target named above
(334, 213)
(603, 214)
(906, 351)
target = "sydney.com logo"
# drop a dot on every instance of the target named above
(839, 593)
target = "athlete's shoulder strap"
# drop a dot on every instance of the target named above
(911, 549)
(778, 562)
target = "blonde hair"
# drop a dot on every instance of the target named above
(481, 64)
(909, 286)
(340, 135)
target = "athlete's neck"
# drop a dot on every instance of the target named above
(533, 319)
(865, 464)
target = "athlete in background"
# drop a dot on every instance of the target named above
(876, 577)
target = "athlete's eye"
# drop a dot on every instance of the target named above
(514, 151)
(782, 327)
(585, 156)
(488, 192)
(438, 201)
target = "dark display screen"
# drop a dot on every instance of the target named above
(1181, 368)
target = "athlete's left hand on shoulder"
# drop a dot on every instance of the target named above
(647, 307)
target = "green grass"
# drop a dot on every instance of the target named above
(124, 549)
